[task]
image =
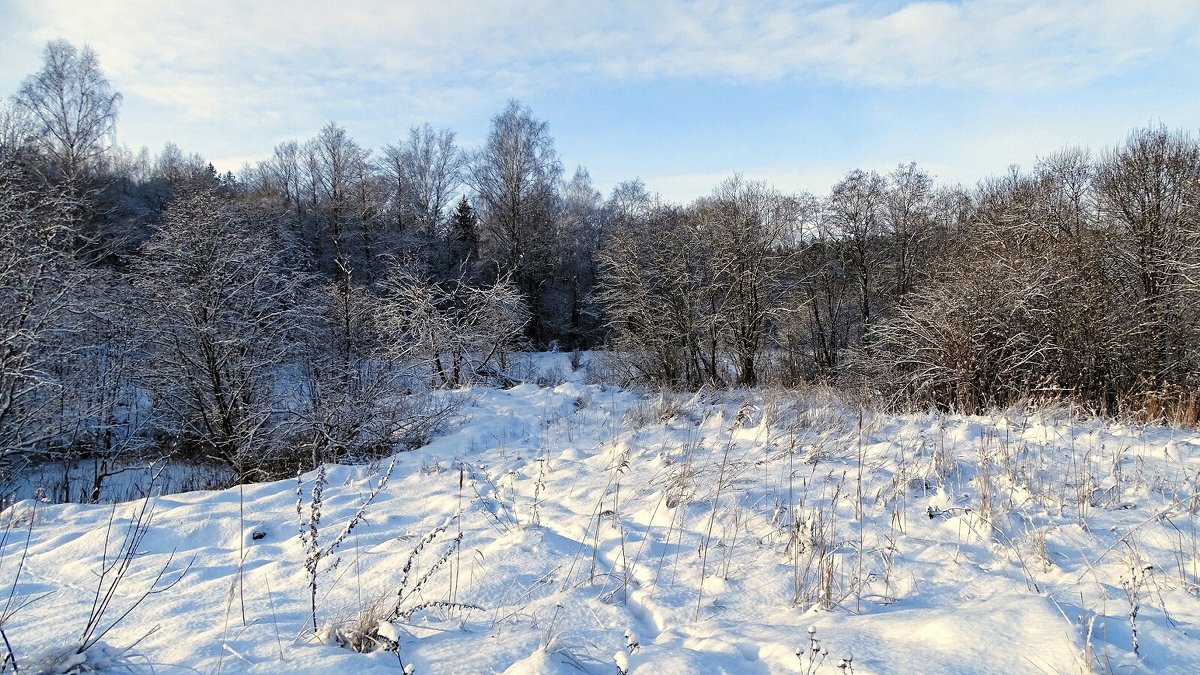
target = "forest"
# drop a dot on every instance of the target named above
(310, 307)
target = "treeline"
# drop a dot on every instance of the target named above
(302, 307)
(1077, 281)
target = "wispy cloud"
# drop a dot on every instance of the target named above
(211, 58)
(231, 78)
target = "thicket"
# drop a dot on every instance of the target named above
(303, 310)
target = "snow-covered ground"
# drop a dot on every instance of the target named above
(679, 533)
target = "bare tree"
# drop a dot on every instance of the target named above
(815, 344)
(657, 295)
(751, 229)
(17, 130)
(975, 340)
(515, 176)
(337, 169)
(1149, 190)
(65, 357)
(577, 232)
(907, 225)
(856, 217)
(74, 108)
(282, 183)
(38, 282)
(219, 311)
(351, 404)
(1066, 181)
(425, 171)
(1023, 302)
(456, 328)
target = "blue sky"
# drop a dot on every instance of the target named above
(680, 94)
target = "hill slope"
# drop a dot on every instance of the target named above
(717, 528)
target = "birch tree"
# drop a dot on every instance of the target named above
(73, 107)
(515, 177)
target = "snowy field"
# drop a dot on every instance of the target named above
(725, 531)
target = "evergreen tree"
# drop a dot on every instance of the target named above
(462, 241)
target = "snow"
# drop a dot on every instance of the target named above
(667, 533)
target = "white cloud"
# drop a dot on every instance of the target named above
(252, 54)
(281, 69)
